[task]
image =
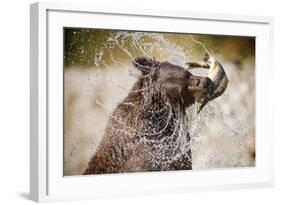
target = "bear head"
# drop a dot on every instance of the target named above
(172, 83)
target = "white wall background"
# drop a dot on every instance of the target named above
(14, 101)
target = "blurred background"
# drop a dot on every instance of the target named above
(98, 73)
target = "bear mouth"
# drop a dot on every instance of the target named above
(200, 87)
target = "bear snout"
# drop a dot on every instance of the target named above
(208, 84)
(198, 83)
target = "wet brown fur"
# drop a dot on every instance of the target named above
(142, 134)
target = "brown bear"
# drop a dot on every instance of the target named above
(149, 131)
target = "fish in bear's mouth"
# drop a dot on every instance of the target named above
(216, 82)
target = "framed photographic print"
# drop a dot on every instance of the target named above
(127, 102)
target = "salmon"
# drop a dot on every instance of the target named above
(216, 74)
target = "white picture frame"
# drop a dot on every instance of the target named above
(47, 182)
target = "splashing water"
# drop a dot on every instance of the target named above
(218, 134)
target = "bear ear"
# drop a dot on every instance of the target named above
(145, 65)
